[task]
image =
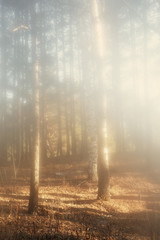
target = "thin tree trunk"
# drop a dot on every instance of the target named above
(147, 115)
(3, 86)
(89, 96)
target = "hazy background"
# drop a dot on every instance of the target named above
(78, 46)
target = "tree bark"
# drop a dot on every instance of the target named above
(103, 163)
(34, 183)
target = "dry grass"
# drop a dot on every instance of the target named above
(69, 209)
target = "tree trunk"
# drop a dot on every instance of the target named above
(89, 96)
(103, 164)
(34, 183)
(103, 161)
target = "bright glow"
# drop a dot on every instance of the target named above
(9, 94)
(20, 27)
(106, 152)
(105, 130)
(99, 30)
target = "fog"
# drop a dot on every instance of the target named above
(79, 47)
(79, 82)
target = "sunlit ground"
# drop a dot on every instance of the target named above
(68, 204)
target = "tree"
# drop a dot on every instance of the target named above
(34, 184)
(103, 164)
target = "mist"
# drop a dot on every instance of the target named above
(79, 113)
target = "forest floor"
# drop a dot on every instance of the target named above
(68, 205)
